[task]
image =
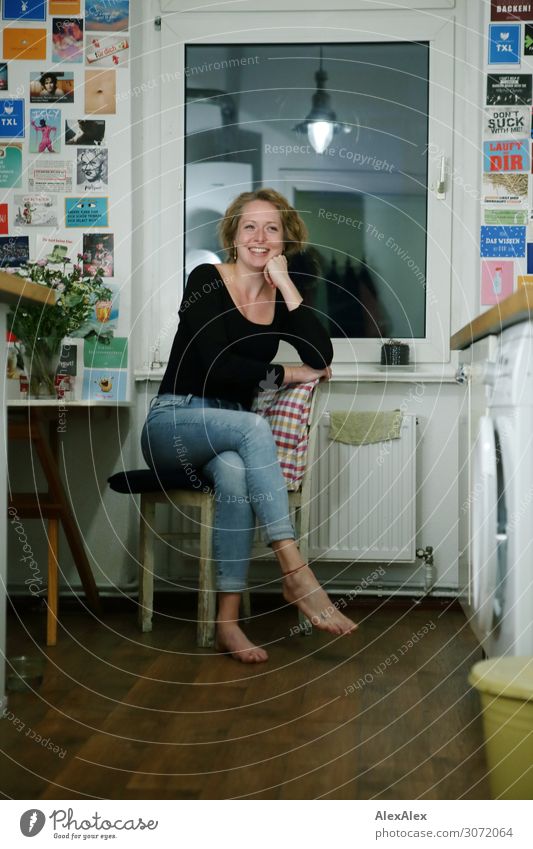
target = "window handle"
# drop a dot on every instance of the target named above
(441, 183)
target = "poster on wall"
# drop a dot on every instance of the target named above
(54, 250)
(45, 134)
(98, 252)
(11, 118)
(507, 122)
(64, 7)
(505, 217)
(101, 92)
(503, 155)
(24, 43)
(67, 39)
(525, 280)
(506, 190)
(528, 40)
(108, 17)
(496, 281)
(515, 11)
(35, 210)
(104, 384)
(91, 169)
(45, 176)
(51, 87)
(84, 132)
(503, 241)
(24, 10)
(106, 51)
(111, 355)
(86, 212)
(10, 166)
(4, 78)
(504, 44)
(14, 251)
(4, 218)
(508, 89)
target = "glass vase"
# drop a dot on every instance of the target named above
(41, 360)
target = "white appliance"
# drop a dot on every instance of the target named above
(502, 501)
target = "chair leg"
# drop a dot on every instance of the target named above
(146, 564)
(53, 584)
(207, 598)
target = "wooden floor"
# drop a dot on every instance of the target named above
(150, 716)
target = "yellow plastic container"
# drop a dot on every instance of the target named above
(505, 685)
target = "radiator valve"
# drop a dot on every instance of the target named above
(426, 554)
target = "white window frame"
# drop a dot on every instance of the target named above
(181, 28)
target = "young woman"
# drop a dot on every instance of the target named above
(231, 320)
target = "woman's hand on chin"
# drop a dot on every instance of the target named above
(275, 271)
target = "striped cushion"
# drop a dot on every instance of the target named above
(287, 411)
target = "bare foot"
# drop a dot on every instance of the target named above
(232, 640)
(302, 589)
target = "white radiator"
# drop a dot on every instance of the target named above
(364, 498)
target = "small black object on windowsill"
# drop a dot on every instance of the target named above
(394, 353)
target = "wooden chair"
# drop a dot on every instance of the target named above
(182, 491)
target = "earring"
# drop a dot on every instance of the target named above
(234, 254)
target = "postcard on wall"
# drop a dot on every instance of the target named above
(507, 122)
(24, 10)
(11, 118)
(55, 250)
(4, 218)
(104, 319)
(10, 166)
(67, 39)
(86, 211)
(64, 7)
(98, 253)
(525, 280)
(24, 43)
(100, 92)
(92, 169)
(4, 77)
(14, 251)
(36, 210)
(509, 90)
(108, 17)
(46, 176)
(503, 241)
(104, 384)
(45, 133)
(512, 155)
(497, 280)
(106, 51)
(111, 354)
(515, 11)
(504, 44)
(84, 132)
(505, 217)
(506, 190)
(51, 87)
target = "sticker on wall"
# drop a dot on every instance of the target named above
(4, 219)
(506, 155)
(64, 7)
(504, 217)
(14, 251)
(496, 281)
(106, 51)
(44, 176)
(509, 90)
(24, 10)
(67, 39)
(503, 241)
(24, 43)
(10, 166)
(504, 44)
(45, 134)
(54, 250)
(4, 78)
(35, 210)
(86, 212)
(100, 92)
(107, 17)
(84, 132)
(505, 190)
(91, 169)
(104, 384)
(11, 118)
(51, 87)
(515, 11)
(98, 253)
(507, 122)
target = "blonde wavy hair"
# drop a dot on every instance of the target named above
(295, 232)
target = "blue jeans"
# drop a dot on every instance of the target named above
(236, 451)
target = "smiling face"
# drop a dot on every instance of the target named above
(259, 235)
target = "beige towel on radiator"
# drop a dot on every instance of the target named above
(364, 428)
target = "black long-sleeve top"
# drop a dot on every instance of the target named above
(218, 353)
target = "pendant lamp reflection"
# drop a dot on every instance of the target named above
(321, 124)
